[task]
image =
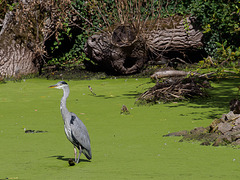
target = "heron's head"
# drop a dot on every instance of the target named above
(59, 85)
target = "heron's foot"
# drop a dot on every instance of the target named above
(77, 161)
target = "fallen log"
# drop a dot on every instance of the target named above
(169, 73)
(126, 51)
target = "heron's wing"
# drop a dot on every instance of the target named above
(79, 132)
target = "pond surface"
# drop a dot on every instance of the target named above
(123, 146)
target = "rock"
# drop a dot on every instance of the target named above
(223, 118)
(211, 137)
(224, 127)
(217, 142)
(198, 130)
(236, 128)
(237, 142)
(237, 121)
(227, 139)
(234, 135)
(214, 125)
(180, 133)
(230, 115)
(221, 141)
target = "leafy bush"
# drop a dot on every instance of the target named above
(220, 23)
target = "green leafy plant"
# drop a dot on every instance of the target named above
(227, 54)
(219, 21)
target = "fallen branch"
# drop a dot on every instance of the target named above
(176, 88)
(169, 73)
(175, 73)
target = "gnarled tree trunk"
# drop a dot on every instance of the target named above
(16, 59)
(114, 59)
(16, 56)
(24, 32)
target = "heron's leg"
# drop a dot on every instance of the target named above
(75, 153)
(80, 152)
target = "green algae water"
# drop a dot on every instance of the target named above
(123, 146)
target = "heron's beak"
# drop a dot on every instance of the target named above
(53, 86)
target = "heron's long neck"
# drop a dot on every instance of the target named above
(63, 106)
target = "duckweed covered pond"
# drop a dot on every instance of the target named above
(123, 146)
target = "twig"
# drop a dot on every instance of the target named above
(87, 20)
(103, 17)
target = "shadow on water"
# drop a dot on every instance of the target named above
(219, 96)
(104, 96)
(62, 158)
(133, 94)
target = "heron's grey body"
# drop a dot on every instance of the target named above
(75, 130)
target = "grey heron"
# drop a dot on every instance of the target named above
(75, 130)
